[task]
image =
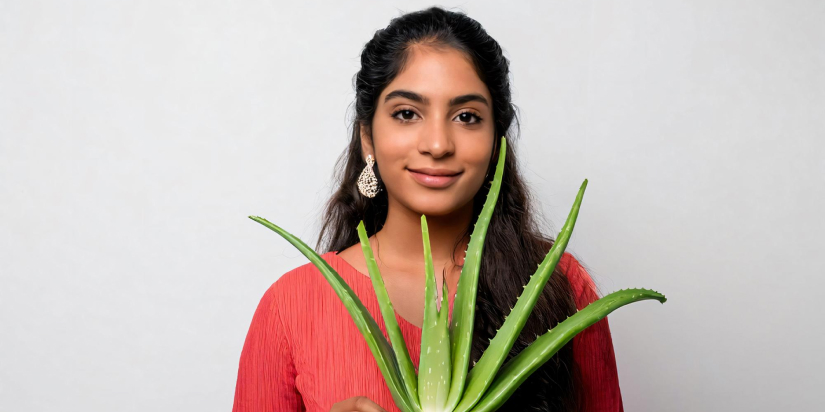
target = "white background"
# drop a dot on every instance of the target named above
(136, 138)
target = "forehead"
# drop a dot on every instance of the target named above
(438, 75)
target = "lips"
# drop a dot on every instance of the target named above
(435, 172)
(434, 181)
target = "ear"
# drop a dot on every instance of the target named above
(366, 142)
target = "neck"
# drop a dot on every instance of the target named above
(400, 241)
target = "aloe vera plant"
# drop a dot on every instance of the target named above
(444, 382)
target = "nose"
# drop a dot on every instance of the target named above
(436, 139)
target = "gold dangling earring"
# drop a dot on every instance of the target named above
(367, 182)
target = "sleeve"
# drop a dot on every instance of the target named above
(266, 372)
(593, 352)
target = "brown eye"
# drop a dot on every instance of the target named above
(403, 112)
(467, 115)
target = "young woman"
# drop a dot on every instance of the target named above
(432, 102)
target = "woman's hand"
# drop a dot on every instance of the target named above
(357, 404)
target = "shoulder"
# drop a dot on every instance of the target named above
(298, 282)
(295, 297)
(584, 289)
(305, 290)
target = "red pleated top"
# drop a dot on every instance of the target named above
(303, 352)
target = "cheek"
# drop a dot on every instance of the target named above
(392, 168)
(478, 154)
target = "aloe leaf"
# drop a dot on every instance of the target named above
(461, 328)
(521, 366)
(444, 332)
(381, 350)
(444, 312)
(405, 364)
(482, 374)
(434, 363)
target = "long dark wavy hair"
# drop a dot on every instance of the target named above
(514, 246)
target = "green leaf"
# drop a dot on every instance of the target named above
(405, 364)
(521, 366)
(461, 328)
(381, 350)
(482, 374)
(434, 364)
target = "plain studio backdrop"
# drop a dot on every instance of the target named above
(136, 138)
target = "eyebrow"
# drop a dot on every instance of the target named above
(455, 101)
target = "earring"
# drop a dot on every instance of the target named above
(367, 182)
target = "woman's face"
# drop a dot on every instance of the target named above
(416, 126)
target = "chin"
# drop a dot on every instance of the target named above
(436, 212)
(434, 205)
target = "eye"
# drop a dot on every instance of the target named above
(465, 115)
(471, 114)
(406, 111)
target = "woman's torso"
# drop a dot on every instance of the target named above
(332, 362)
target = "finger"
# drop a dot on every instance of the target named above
(361, 404)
